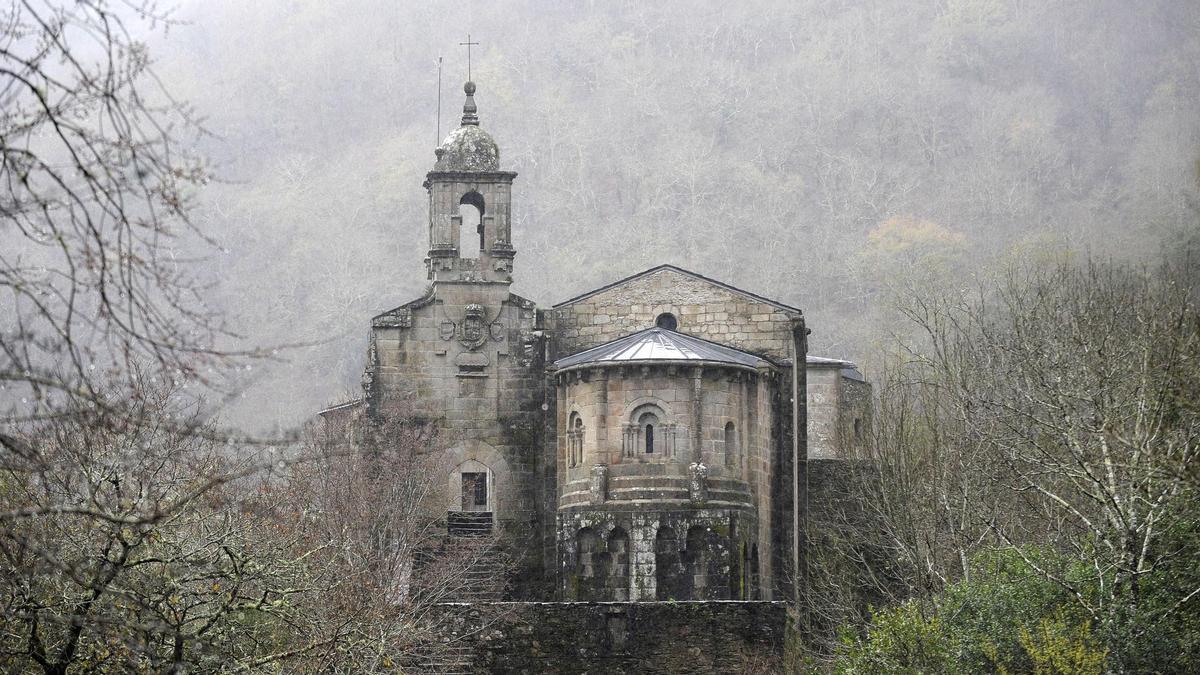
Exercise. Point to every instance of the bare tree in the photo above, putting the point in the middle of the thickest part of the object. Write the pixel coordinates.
(143, 548)
(372, 505)
(113, 561)
(1055, 409)
(97, 270)
(1095, 413)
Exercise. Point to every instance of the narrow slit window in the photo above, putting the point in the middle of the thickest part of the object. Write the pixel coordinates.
(649, 425)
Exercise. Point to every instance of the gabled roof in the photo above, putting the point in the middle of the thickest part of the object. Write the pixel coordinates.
(396, 314)
(848, 368)
(660, 344)
(680, 270)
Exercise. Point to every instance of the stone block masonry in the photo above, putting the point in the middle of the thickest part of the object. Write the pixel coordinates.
(662, 491)
(701, 307)
(619, 637)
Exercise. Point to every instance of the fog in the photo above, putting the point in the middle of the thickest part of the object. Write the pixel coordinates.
(819, 153)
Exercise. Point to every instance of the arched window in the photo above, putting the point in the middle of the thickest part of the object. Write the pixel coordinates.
(667, 320)
(649, 434)
(471, 210)
(730, 443)
(649, 424)
(575, 440)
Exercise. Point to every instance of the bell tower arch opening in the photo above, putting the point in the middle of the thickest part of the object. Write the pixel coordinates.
(471, 209)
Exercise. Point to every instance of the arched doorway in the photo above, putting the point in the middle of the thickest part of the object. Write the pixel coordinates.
(471, 492)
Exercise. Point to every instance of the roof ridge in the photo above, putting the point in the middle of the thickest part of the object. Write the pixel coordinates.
(681, 270)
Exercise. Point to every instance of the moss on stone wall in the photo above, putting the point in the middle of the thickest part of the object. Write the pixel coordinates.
(623, 637)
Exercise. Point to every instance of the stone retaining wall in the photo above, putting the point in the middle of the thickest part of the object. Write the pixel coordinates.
(623, 637)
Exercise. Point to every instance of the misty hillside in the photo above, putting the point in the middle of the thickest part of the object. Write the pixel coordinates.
(820, 153)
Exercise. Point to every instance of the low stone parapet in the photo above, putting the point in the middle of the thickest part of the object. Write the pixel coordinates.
(619, 637)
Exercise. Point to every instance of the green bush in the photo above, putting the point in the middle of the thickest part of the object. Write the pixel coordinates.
(901, 640)
(1008, 618)
(1005, 618)
(1058, 647)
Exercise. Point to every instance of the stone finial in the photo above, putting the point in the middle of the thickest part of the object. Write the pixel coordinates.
(470, 116)
(698, 483)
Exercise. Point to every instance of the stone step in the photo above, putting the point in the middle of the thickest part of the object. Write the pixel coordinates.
(483, 579)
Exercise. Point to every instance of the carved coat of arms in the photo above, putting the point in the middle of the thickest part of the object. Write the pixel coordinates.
(474, 329)
(473, 333)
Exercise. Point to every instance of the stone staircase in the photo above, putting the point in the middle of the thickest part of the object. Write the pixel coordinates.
(468, 566)
(453, 657)
(469, 523)
(484, 579)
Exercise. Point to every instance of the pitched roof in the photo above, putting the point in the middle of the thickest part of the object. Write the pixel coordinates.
(680, 270)
(848, 368)
(660, 344)
(831, 363)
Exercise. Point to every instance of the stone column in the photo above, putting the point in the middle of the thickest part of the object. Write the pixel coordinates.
(599, 484)
(561, 414)
(575, 446)
(600, 437)
(698, 415)
(743, 430)
(642, 568)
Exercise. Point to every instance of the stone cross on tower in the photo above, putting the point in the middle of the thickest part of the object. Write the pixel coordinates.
(468, 44)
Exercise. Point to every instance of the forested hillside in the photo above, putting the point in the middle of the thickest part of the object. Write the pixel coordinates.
(818, 152)
(992, 206)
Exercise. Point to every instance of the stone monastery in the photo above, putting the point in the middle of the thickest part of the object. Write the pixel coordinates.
(647, 440)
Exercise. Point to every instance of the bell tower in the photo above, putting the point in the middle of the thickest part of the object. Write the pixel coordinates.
(470, 228)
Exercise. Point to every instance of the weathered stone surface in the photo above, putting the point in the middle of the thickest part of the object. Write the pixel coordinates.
(670, 481)
(839, 411)
(702, 308)
(621, 637)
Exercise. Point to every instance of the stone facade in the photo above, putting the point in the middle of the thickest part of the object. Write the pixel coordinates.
(676, 472)
(693, 501)
(702, 307)
(839, 409)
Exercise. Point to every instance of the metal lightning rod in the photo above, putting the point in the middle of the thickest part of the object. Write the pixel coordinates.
(438, 140)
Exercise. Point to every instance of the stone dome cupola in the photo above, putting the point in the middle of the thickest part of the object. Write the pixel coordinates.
(470, 200)
(468, 148)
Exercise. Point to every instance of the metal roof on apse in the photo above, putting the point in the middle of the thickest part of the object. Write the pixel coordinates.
(660, 344)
